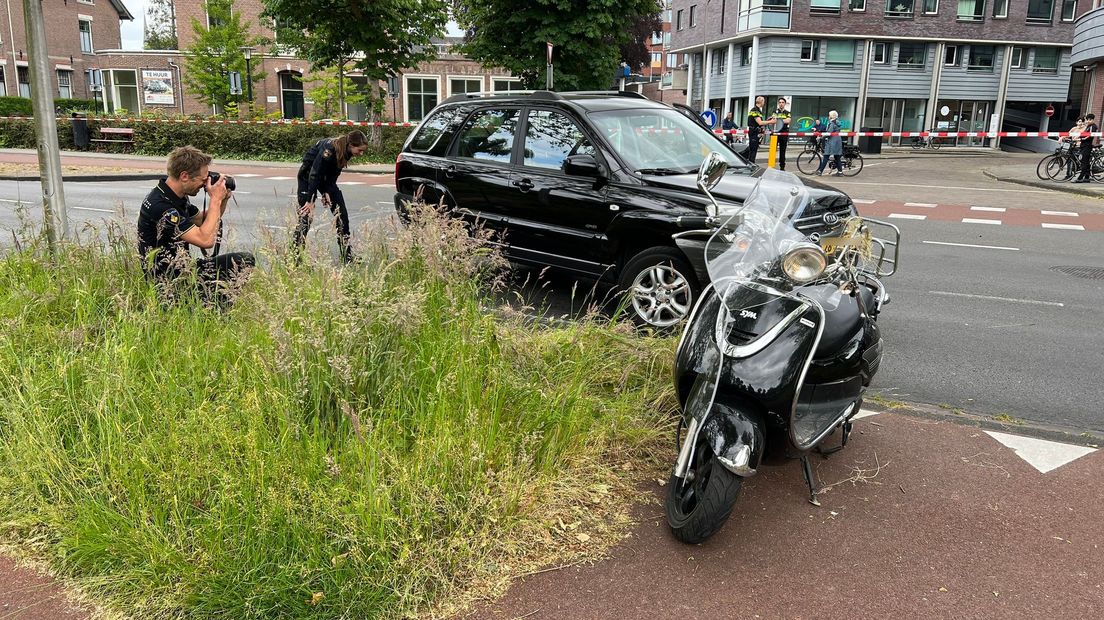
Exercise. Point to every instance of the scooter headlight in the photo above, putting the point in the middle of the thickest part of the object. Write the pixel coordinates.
(804, 263)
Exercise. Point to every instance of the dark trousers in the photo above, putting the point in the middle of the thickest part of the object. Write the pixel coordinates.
(224, 267)
(824, 162)
(753, 149)
(217, 278)
(1086, 161)
(783, 142)
(341, 219)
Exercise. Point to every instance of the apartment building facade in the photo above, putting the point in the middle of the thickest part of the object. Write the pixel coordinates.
(894, 65)
(74, 30)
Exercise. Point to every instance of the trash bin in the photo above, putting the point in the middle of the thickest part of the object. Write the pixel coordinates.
(80, 131)
(870, 144)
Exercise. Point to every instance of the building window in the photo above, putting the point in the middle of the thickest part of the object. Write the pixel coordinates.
(94, 79)
(504, 85)
(462, 85)
(828, 7)
(1040, 12)
(678, 20)
(672, 60)
(971, 10)
(899, 8)
(3, 83)
(1046, 60)
(1069, 10)
(931, 7)
(693, 15)
(1000, 9)
(291, 89)
(85, 35)
(87, 2)
(65, 84)
(950, 56)
(912, 55)
(1017, 58)
(857, 6)
(720, 59)
(217, 20)
(840, 54)
(24, 78)
(981, 58)
(810, 50)
(880, 53)
(657, 59)
(745, 55)
(421, 97)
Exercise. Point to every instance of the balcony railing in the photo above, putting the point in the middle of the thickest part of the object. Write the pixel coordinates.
(772, 14)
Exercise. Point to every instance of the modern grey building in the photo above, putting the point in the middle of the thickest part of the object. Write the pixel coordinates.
(897, 65)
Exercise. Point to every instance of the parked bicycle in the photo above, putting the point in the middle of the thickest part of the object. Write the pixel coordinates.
(1064, 164)
(926, 142)
(851, 160)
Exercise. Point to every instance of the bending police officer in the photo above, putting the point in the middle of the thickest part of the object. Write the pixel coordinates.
(321, 166)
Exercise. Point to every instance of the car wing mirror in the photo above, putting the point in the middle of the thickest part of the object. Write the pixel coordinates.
(583, 166)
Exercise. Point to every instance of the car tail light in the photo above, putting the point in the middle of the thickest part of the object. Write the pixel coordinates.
(397, 160)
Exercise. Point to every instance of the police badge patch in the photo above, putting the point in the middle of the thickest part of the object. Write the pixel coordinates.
(326, 154)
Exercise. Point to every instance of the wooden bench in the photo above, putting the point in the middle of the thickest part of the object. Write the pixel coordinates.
(116, 135)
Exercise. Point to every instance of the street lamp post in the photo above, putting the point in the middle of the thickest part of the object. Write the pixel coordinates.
(248, 76)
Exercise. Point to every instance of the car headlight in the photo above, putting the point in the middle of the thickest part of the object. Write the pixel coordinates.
(804, 263)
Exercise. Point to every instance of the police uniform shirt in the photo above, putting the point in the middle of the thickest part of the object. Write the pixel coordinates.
(319, 169)
(163, 219)
(784, 116)
(753, 125)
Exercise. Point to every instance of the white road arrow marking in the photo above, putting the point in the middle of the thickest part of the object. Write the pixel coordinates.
(1041, 454)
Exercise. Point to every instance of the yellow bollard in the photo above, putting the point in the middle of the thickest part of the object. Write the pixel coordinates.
(772, 157)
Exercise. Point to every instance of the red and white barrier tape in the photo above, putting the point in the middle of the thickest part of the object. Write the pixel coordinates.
(220, 121)
(921, 134)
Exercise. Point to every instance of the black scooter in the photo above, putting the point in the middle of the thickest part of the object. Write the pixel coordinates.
(779, 349)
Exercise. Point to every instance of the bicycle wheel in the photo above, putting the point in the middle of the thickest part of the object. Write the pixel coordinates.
(935, 143)
(917, 143)
(810, 146)
(1057, 166)
(808, 162)
(852, 165)
(1098, 167)
(1040, 170)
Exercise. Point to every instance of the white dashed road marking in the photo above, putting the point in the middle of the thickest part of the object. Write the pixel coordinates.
(393, 185)
(1041, 454)
(970, 220)
(1063, 226)
(993, 209)
(863, 201)
(1060, 213)
(279, 178)
(246, 175)
(926, 205)
(907, 216)
(989, 298)
(91, 209)
(970, 245)
(351, 183)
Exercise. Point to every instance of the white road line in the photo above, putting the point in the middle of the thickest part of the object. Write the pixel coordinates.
(970, 245)
(863, 201)
(1063, 226)
(993, 209)
(907, 216)
(14, 202)
(246, 175)
(351, 183)
(275, 227)
(91, 209)
(1060, 213)
(987, 297)
(926, 205)
(238, 191)
(384, 185)
(973, 189)
(970, 220)
(278, 178)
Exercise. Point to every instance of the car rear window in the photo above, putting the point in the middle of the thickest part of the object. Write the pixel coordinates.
(434, 127)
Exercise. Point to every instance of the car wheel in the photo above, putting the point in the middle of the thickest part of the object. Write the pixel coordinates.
(660, 287)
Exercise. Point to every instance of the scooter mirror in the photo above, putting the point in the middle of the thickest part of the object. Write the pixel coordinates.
(710, 173)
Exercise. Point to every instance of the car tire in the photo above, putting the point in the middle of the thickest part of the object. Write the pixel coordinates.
(659, 288)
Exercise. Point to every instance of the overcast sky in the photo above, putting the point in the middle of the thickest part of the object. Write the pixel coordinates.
(132, 31)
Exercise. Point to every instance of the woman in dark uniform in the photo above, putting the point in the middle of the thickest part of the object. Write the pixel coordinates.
(322, 164)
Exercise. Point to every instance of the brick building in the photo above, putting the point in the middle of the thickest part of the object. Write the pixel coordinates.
(75, 29)
(143, 81)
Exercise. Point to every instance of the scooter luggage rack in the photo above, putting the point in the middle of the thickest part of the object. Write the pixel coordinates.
(883, 245)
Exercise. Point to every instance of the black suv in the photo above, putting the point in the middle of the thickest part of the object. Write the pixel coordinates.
(592, 183)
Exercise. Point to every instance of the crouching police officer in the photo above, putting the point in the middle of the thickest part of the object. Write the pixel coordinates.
(168, 223)
(322, 164)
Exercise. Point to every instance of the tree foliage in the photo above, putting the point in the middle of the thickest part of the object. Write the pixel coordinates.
(160, 30)
(587, 35)
(327, 89)
(635, 52)
(217, 51)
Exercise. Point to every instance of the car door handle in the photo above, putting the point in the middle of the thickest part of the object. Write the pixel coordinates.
(524, 185)
(450, 171)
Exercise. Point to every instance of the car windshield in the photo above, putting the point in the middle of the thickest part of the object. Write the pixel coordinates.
(659, 140)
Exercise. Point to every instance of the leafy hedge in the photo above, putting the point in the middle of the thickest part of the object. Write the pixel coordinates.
(21, 106)
(259, 142)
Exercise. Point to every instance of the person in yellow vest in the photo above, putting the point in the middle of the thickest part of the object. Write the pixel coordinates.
(756, 126)
(782, 117)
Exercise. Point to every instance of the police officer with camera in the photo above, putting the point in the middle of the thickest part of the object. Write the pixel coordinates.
(169, 223)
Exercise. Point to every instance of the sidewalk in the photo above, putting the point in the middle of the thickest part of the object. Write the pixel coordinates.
(94, 166)
(925, 515)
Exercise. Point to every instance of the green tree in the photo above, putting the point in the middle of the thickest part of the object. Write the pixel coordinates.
(380, 38)
(217, 51)
(328, 90)
(160, 30)
(587, 35)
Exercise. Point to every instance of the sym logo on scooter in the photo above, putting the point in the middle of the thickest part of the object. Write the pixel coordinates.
(748, 314)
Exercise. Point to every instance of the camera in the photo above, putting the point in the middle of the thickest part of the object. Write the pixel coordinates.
(230, 184)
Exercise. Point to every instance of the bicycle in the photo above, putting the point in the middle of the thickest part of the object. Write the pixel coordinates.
(1065, 163)
(851, 161)
(930, 142)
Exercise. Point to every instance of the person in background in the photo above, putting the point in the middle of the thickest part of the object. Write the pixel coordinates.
(756, 123)
(321, 166)
(728, 126)
(1087, 143)
(783, 115)
(833, 146)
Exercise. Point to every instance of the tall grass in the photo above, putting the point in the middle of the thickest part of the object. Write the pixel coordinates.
(351, 443)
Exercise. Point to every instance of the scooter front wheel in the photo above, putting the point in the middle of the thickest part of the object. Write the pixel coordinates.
(698, 505)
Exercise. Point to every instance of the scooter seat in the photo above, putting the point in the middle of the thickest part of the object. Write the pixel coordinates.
(840, 324)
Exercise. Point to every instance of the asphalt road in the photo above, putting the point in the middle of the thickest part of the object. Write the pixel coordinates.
(980, 320)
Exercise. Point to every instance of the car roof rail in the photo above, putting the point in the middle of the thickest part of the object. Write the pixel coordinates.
(607, 93)
(544, 94)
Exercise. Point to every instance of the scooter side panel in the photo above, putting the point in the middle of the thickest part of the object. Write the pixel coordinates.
(735, 432)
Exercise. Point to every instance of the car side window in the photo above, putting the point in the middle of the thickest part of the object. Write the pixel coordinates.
(552, 137)
(489, 135)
